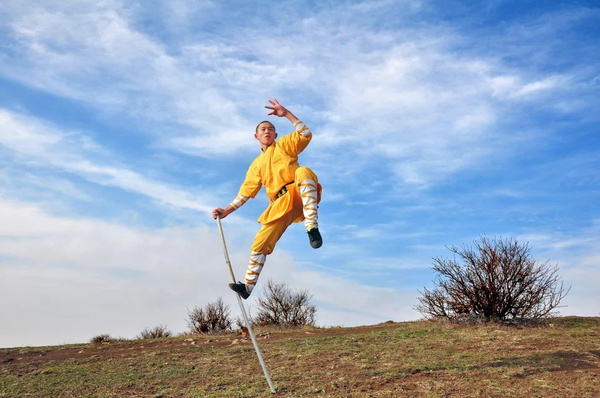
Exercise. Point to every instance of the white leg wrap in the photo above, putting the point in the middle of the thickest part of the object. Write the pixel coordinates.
(255, 266)
(308, 193)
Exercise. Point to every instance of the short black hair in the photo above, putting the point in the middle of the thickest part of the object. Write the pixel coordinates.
(264, 121)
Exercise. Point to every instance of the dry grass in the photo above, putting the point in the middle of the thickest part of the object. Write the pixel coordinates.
(413, 359)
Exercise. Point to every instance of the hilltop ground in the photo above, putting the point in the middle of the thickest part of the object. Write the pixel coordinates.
(560, 358)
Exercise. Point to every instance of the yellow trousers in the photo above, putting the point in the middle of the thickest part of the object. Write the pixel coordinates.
(269, 233)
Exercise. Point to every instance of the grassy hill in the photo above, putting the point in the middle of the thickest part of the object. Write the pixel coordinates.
(414, 359)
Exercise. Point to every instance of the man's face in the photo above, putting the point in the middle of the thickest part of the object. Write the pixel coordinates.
(265, 134)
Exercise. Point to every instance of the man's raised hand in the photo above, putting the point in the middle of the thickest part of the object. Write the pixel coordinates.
(279, 110)
(276, 108)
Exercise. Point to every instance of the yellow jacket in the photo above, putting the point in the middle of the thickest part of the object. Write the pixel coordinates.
(275, 168)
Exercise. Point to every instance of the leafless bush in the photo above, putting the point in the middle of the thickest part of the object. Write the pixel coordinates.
(212, 318)
(283, 307)
(101, 339)
(495, 281)
(155, 332)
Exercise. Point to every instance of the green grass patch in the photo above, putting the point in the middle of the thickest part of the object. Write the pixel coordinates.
(560, 358)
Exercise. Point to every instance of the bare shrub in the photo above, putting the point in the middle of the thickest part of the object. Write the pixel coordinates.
(101, 339)
(156, 332)
(495, 280)
(282, 307)
(212, 318)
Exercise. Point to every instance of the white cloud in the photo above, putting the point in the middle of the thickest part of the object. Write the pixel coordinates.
(81, 277)
(404, 95)
(415, 106)
(72, 51)
(36, 141)
(395, 106)
(577, 258)
(76, 278)
(513, 87)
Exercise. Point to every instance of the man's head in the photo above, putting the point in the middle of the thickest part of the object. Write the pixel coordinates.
(265, 134)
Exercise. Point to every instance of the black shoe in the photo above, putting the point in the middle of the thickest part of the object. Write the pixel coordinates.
(240, 289)
(314, 236)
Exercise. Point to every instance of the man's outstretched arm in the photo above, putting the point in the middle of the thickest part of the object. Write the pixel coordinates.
(233, 206)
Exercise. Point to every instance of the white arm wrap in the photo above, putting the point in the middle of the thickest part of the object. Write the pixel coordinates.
(239, 201)
(301, 128)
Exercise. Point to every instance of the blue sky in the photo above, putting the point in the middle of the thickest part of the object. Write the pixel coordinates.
(122, 124)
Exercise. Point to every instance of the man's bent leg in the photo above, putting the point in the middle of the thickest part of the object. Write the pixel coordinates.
(308, 186)
(255, 266)
(264, 244)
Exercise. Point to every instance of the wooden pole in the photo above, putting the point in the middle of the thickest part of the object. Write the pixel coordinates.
(243, 309)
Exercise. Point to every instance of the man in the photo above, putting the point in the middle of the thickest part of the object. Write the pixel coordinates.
(293, 192)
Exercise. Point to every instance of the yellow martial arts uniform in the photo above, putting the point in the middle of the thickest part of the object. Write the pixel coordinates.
(277, 169)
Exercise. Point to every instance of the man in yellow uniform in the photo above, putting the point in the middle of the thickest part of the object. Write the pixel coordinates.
(293, 192)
